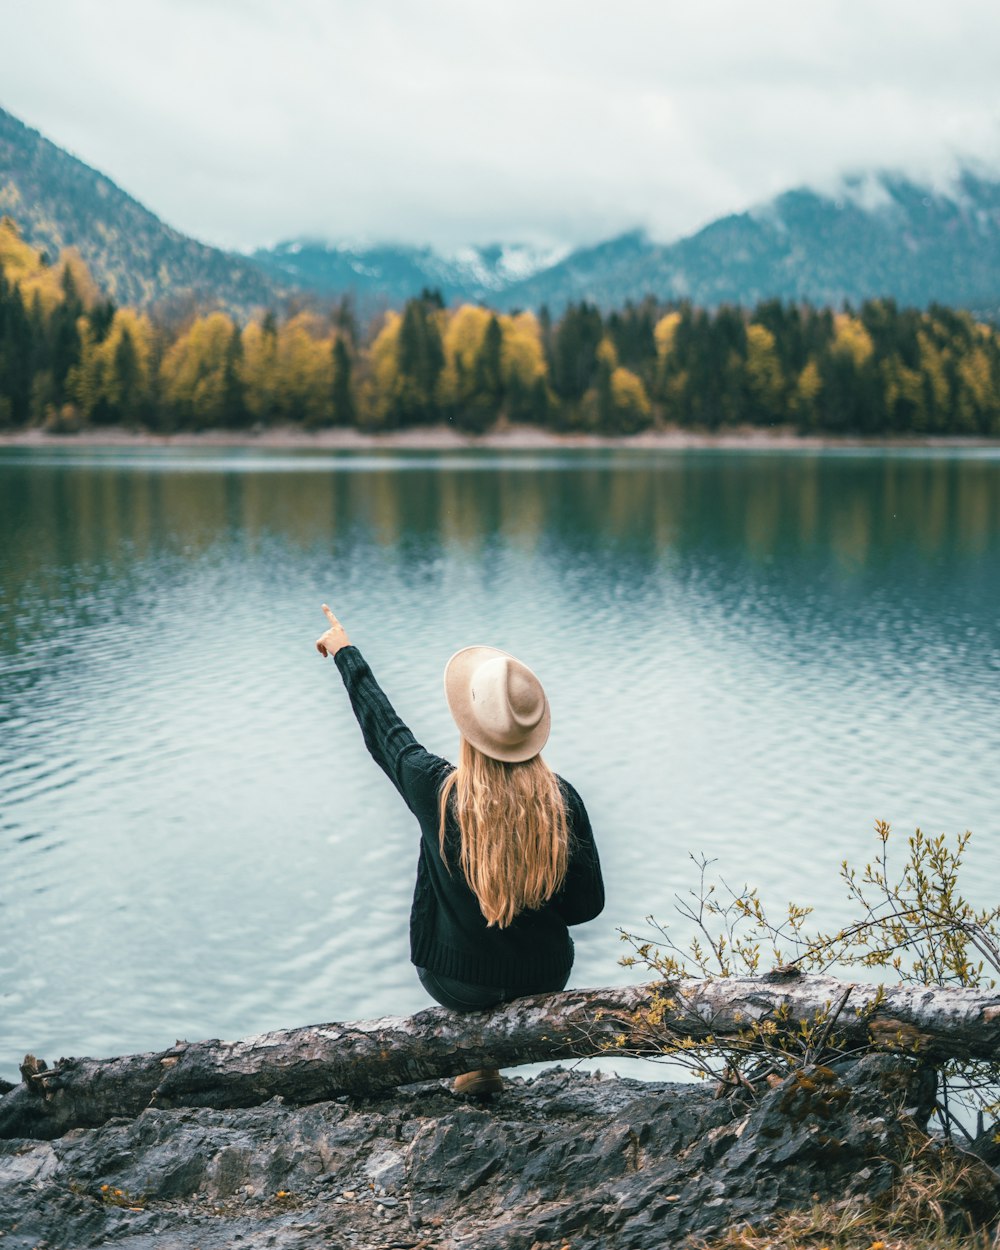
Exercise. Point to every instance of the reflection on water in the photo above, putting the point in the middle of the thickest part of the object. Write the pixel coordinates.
(858, 508)
(750, 655)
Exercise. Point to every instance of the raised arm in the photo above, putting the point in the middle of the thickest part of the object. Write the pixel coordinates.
(390, 743)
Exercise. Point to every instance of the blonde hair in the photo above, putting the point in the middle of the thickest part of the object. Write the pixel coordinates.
(514, 848)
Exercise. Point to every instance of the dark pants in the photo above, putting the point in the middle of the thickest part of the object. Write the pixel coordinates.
(463, 996)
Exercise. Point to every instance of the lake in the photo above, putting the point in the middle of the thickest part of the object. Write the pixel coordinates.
(749, 655)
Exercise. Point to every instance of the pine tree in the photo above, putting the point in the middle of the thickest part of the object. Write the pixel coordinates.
(344, 412)
(100, 318)
(125, 368)
(488, 372)
(233, 406)
(15, 357)
(345, 320)
(64, 334)
(548, 342)
(419, 361)
(575, 351)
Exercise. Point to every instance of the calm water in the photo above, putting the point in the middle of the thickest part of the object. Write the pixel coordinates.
(749, 655)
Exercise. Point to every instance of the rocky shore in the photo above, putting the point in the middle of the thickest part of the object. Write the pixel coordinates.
(565, 1158)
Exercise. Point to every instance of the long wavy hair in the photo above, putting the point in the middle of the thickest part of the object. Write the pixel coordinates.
(514, 837)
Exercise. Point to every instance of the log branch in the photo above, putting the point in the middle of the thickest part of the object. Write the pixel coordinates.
(322, 1061)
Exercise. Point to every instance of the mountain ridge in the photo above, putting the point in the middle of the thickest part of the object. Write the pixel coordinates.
(58, 201)
(883, 235)
(874, 235)
(394, 272)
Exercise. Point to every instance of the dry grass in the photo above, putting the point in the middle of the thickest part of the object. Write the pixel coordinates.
(943, 1200)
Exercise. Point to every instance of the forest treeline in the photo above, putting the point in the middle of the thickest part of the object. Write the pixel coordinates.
(71, 359)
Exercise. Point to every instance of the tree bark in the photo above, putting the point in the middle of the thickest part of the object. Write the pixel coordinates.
(322, 1061)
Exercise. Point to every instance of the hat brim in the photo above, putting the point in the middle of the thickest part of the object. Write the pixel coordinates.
(457, 679)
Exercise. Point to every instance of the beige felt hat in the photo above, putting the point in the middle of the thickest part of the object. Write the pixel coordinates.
(498, 703)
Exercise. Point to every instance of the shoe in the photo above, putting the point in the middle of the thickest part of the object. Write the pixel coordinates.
(479, 1084)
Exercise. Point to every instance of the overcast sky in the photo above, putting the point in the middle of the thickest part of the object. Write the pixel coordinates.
(244, 122)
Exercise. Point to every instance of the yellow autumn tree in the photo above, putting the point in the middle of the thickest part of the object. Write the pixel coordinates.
(468, 366)
(765, 382)
(527, 396)
(617, 403)
(807, 388)
(462, 341)
(630, 407)
(933, 365)
(903, 391)
(976, 404)
(257, 370)
(522, 353)
(303, 372)
(670, 382)
(23, 265)
(111, 383)
(850, 338)
(378, 389)
(196, 373)
(20, 260)
(665, 332)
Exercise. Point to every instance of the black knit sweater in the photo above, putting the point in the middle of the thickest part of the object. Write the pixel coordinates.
(448, 933)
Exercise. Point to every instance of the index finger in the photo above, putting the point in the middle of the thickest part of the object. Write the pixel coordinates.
(329, 615)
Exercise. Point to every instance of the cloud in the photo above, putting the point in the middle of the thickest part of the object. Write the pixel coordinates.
(245, 121)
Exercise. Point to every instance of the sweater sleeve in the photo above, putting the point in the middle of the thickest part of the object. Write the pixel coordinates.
(392, 746)
(581, 896)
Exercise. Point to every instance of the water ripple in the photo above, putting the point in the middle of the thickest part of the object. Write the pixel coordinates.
(747, 658)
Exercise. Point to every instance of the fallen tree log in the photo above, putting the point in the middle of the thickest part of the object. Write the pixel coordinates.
(315, 1063)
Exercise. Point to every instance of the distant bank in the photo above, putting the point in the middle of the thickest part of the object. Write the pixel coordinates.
(445, 438)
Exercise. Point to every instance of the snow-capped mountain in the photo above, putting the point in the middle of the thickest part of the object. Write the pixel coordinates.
(874, 234)
(391, 273)
(869, 235)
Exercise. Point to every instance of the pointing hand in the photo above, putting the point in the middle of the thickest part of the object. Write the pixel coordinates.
(334, 638)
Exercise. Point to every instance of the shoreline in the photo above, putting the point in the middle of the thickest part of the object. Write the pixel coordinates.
(519, 438)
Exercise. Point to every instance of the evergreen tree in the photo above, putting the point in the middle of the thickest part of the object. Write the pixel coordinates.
(419, 361)
(16, 353)
(100, 318)
(710, 353)
(37, 333)
(344, 412)
(64, 334)
(233, 405)
(488, 378)
(480, 410)
(126, 377)
(633, 333)
(541, 406)
(575, 351)
(548, 341)
(345, 320)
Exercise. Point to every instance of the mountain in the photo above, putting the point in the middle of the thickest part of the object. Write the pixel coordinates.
(57, 201)
(874, 235)
(877, 235)
(391, 273)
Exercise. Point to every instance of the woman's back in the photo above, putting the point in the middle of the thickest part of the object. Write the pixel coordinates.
(507, 859)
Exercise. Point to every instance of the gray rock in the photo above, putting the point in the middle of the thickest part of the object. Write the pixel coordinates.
(567, 1156)
(386, 1168)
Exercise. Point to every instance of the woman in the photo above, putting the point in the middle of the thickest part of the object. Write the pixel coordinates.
(507, 857)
